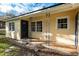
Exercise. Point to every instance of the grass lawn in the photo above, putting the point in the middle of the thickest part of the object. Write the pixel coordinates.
(4, 44)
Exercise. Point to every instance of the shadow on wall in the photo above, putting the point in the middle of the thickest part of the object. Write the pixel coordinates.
(14, 35)
(67, 39)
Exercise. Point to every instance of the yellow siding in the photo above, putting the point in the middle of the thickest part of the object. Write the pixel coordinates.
(13, 34)
(39, 34)
(65, 36)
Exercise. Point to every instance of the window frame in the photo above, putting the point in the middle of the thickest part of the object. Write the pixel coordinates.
(11, 26)
(36, 30)
(62, 18)
(34, 26)
(40, 26)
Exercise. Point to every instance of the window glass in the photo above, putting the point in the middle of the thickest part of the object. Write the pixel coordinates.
(62, 23)
(39, 26)
(11, 26)
(32, 26)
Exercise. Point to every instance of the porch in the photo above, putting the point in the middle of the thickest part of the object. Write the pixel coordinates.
(42, 47)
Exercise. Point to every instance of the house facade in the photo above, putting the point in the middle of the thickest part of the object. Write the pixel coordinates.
(57, 24)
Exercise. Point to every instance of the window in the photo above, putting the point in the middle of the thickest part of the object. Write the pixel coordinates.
(39, 26)
(62, 23)
(11, 26)
(33, 26)
(2, 24)
(36, 26)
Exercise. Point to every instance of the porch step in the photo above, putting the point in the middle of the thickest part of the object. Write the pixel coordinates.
(61, 50)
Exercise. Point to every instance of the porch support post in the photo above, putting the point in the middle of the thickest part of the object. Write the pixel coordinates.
(76, 28)
(30, 34)
(76, 31)
(48, 27)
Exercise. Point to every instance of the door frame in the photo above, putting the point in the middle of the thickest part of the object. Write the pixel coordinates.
(21, 29)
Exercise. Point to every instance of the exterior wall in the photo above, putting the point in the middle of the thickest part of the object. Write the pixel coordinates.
(17, 33)
(26, 19)
(63, 36)
(13, 34)
(59, 36)
(39, 34)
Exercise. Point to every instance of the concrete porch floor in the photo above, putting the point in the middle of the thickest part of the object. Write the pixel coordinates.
(62, 50)
(43, 47)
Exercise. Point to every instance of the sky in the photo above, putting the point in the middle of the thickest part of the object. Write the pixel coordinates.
(21, 8)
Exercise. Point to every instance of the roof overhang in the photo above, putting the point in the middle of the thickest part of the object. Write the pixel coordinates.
(52, 10)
